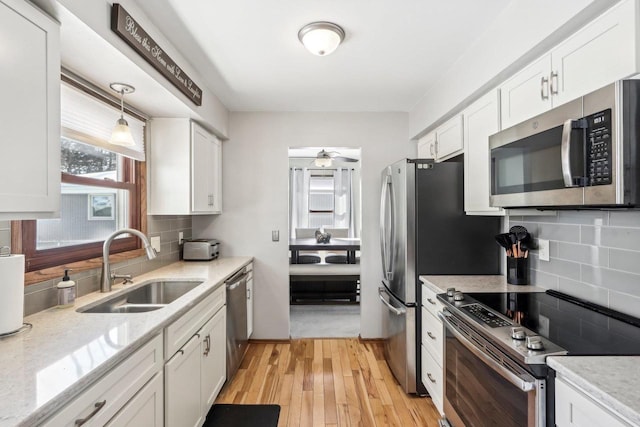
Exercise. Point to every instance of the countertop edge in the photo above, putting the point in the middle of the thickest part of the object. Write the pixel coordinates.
(592, 390)
(48, 409)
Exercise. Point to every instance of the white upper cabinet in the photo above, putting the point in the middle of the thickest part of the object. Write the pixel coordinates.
(30, 113)
(481, 119)
(598, 54)
(444, 142)
(185, 170)
(527, 93)
(427, 146)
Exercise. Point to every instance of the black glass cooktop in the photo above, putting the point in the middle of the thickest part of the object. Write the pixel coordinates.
(579, 327)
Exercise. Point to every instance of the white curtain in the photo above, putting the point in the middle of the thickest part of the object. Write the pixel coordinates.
(343, 208)
(299, 199)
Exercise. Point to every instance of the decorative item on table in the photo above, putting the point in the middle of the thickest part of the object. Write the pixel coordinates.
(322, 236)
(516, 243)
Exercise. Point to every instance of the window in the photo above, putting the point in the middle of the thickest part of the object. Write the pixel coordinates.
(101, 191)
(321, 201)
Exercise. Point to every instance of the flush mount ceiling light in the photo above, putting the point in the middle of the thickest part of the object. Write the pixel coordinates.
(121, 134)
(321, 38)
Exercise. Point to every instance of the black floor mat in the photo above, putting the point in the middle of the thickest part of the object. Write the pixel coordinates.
(243, 416)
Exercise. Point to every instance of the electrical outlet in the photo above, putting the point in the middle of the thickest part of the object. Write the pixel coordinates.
(180, 237)
(543, 249)
(155, 243)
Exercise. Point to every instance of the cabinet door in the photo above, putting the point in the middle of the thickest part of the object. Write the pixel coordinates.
(250, 305)
(182, 386)
(213, 350)
(202, 152)
(600, 53)
(146, 409)
(527, 93)
(449, 138)
(30, 113)
(574, 409)
(480, 120)
(427, 146)
(432, 377)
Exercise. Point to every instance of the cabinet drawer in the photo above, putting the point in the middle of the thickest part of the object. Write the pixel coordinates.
(108, 395)
(432, 376)
(576, 409)
(432, 335)
(145, 409)
(430, 301)
(180, 331)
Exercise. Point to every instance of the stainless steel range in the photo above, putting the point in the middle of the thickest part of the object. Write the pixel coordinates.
(496, 345)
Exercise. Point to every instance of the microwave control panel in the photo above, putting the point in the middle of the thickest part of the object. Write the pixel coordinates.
(599, 148)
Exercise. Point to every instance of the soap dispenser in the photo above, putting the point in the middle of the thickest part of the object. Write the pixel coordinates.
(66, 291)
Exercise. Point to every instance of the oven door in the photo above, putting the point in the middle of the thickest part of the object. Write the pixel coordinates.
(540, 162)
(484, 387)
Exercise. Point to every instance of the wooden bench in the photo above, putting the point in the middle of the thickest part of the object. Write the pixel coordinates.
(324, 283)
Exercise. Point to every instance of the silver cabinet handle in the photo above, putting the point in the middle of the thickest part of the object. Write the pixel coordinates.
(554, 83)
(431, 377)
(431, 301)
(544, 84)
(97, 407)
(431, 146)
(207, 345)
(248, 293)
(431, 335)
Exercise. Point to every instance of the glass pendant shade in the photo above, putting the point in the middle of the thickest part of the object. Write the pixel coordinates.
(321, 38)
(121, 134)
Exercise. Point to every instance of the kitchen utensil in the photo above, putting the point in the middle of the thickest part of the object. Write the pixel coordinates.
(504, 240)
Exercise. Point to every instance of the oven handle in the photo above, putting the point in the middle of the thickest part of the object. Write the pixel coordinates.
(514, 378)
(565, 151)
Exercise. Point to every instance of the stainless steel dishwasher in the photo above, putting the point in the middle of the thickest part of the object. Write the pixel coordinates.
(237, 339)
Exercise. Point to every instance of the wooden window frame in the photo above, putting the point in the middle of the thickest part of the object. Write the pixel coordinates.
(45, 264)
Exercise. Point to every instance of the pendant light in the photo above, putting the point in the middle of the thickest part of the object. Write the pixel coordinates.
(321, 38)
(121, 134)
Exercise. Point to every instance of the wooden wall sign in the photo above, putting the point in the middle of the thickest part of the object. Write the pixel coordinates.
(130, 31)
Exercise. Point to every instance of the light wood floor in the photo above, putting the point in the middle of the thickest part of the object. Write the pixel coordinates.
(327, 382)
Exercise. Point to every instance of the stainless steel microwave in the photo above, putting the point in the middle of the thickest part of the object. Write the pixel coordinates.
(583, 154)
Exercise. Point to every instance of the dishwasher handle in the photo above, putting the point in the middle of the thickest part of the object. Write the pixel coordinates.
(238, 275)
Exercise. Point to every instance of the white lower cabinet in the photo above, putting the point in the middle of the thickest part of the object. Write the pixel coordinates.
(182, 386)
(146, 409)
(113, 393)
(196, 372)
(576, 409)
(432, 349)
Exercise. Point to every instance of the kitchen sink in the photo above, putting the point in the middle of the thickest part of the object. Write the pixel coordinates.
(148, 297)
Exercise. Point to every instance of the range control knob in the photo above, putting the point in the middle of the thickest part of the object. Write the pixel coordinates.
(458, 296)
(535, 343)
(451, 292)
(518, 333)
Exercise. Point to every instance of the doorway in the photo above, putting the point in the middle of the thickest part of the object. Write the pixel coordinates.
(324, 242)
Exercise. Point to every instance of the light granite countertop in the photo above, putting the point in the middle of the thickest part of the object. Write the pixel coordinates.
(439, 284)
(41, 370)
(610, 380)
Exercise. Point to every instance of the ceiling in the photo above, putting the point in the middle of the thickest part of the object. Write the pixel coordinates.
(248, 53)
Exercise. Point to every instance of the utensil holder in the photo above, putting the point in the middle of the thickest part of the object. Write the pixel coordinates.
(517, 271)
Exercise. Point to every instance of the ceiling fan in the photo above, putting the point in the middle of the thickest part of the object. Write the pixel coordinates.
(325, 158)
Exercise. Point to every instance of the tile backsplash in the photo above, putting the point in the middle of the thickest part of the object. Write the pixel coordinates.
(594, 255)
(41, 296)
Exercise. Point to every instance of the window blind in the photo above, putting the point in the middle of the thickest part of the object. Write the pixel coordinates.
(86, 119)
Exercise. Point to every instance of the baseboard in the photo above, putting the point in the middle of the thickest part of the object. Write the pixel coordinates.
(270, 341)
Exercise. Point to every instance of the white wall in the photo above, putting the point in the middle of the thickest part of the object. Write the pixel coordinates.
(255, 200)
(522, 32)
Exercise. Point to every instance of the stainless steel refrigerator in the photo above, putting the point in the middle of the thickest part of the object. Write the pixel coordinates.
(424, 230)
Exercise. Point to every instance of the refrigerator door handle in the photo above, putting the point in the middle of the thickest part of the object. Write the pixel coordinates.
(396, 311)
(387, 199)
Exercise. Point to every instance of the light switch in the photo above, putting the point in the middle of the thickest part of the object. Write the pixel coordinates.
(275, 235)
(180, 237)
(155, 243)
(543, 249)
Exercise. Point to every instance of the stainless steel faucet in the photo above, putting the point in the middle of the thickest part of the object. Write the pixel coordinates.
(107, 278)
